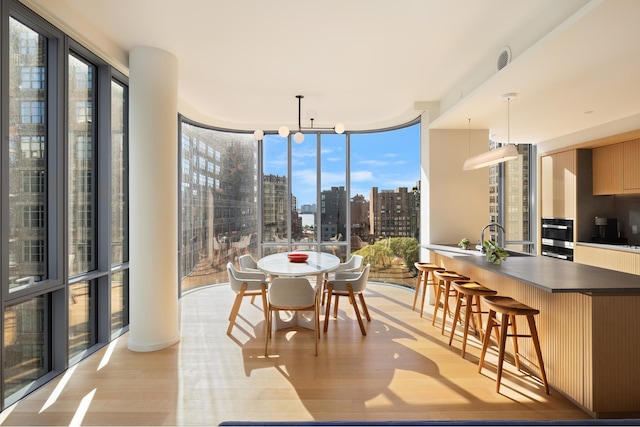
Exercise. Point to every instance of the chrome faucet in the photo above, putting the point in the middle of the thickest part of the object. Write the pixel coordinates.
(481, 247)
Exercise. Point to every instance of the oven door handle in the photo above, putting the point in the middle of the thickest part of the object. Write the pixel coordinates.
(551, 254)
(557, 227)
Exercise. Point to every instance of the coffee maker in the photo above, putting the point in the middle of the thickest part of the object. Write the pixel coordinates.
(608, 231)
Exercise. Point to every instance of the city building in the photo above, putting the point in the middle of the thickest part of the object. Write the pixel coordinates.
(393, 213)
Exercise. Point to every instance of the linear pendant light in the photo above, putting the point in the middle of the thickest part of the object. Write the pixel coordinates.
(499, 155)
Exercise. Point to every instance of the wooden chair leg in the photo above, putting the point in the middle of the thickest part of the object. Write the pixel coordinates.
(335, 306)
(316, 321)
(267, 332)
(467, 316)
(478, 322)
(514, 339)
(536, 345)
(503, 341)
(487, 338)
(425, 283)
(264, 300)
(352, 298)
(236, 308)
(364, 307)
(435, 308)
(456, 315)
(328, 307)
(418, 284)
(445, 309)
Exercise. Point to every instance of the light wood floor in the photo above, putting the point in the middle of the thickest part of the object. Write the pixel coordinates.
(402, 370)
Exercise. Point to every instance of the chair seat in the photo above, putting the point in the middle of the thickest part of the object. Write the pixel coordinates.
(472, 288)
(507, 305)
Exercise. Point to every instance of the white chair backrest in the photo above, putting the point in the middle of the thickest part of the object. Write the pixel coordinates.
(291, 292)
(237, 278)
(247, 263)
(354, 264)
(358, 280)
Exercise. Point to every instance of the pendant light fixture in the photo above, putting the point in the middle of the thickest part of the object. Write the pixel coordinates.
(499, 155)
(298, 137)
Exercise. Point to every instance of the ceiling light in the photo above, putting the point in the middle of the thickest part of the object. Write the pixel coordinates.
(298, 137)
(499, 155)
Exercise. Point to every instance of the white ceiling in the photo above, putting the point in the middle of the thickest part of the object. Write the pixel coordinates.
(575, 64)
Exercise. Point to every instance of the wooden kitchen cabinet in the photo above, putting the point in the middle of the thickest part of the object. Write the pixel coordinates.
(558, 185)
(608, 169)
(631, 166)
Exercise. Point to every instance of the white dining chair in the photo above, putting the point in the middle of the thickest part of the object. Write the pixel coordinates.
(244, 284)
(349, 285)
(292, 294)
(353, 265)
(248, 263)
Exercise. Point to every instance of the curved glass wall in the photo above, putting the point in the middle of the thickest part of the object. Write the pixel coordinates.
(218, 202)
(341, 194)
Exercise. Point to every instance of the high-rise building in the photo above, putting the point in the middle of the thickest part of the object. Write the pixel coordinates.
(393, 213)
(334, 214)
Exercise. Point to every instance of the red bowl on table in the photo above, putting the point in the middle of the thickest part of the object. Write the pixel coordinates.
(294, 257)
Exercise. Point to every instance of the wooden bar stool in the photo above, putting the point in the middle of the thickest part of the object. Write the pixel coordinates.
(510, 308)
(445, 277)
(424, 268)
(469, 294)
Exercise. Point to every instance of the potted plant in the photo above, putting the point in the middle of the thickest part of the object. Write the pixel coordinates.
(495, 253)
(465, 243)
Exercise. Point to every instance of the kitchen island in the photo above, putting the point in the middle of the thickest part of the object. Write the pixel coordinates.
(589, 323)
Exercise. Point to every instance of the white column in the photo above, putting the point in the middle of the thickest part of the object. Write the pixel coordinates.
(153, 186)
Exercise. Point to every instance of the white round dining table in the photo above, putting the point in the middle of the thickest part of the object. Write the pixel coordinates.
(317, 263)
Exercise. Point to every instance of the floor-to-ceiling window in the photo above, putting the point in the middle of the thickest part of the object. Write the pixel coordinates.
(82, 203)
(332, 193)
(63, 161)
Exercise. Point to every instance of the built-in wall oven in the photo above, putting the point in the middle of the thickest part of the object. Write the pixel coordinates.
(557, 238)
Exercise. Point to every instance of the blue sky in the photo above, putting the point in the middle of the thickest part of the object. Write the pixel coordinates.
(387, 160)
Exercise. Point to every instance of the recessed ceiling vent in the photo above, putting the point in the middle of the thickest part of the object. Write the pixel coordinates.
(504, 58)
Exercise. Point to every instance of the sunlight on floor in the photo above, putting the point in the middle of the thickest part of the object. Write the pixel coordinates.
(59, 388)
(108, 353)
(85, 403)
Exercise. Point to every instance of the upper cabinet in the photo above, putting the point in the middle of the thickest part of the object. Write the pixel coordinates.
(631, 166)
(616, 168)
(558, 185)
(607, 169)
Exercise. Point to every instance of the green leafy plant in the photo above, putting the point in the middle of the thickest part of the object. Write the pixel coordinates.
(464, 243)
(495, 253)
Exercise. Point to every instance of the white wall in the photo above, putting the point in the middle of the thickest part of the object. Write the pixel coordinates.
(458, 201)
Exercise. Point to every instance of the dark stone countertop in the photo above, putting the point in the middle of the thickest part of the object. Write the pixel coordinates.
(550, 274)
